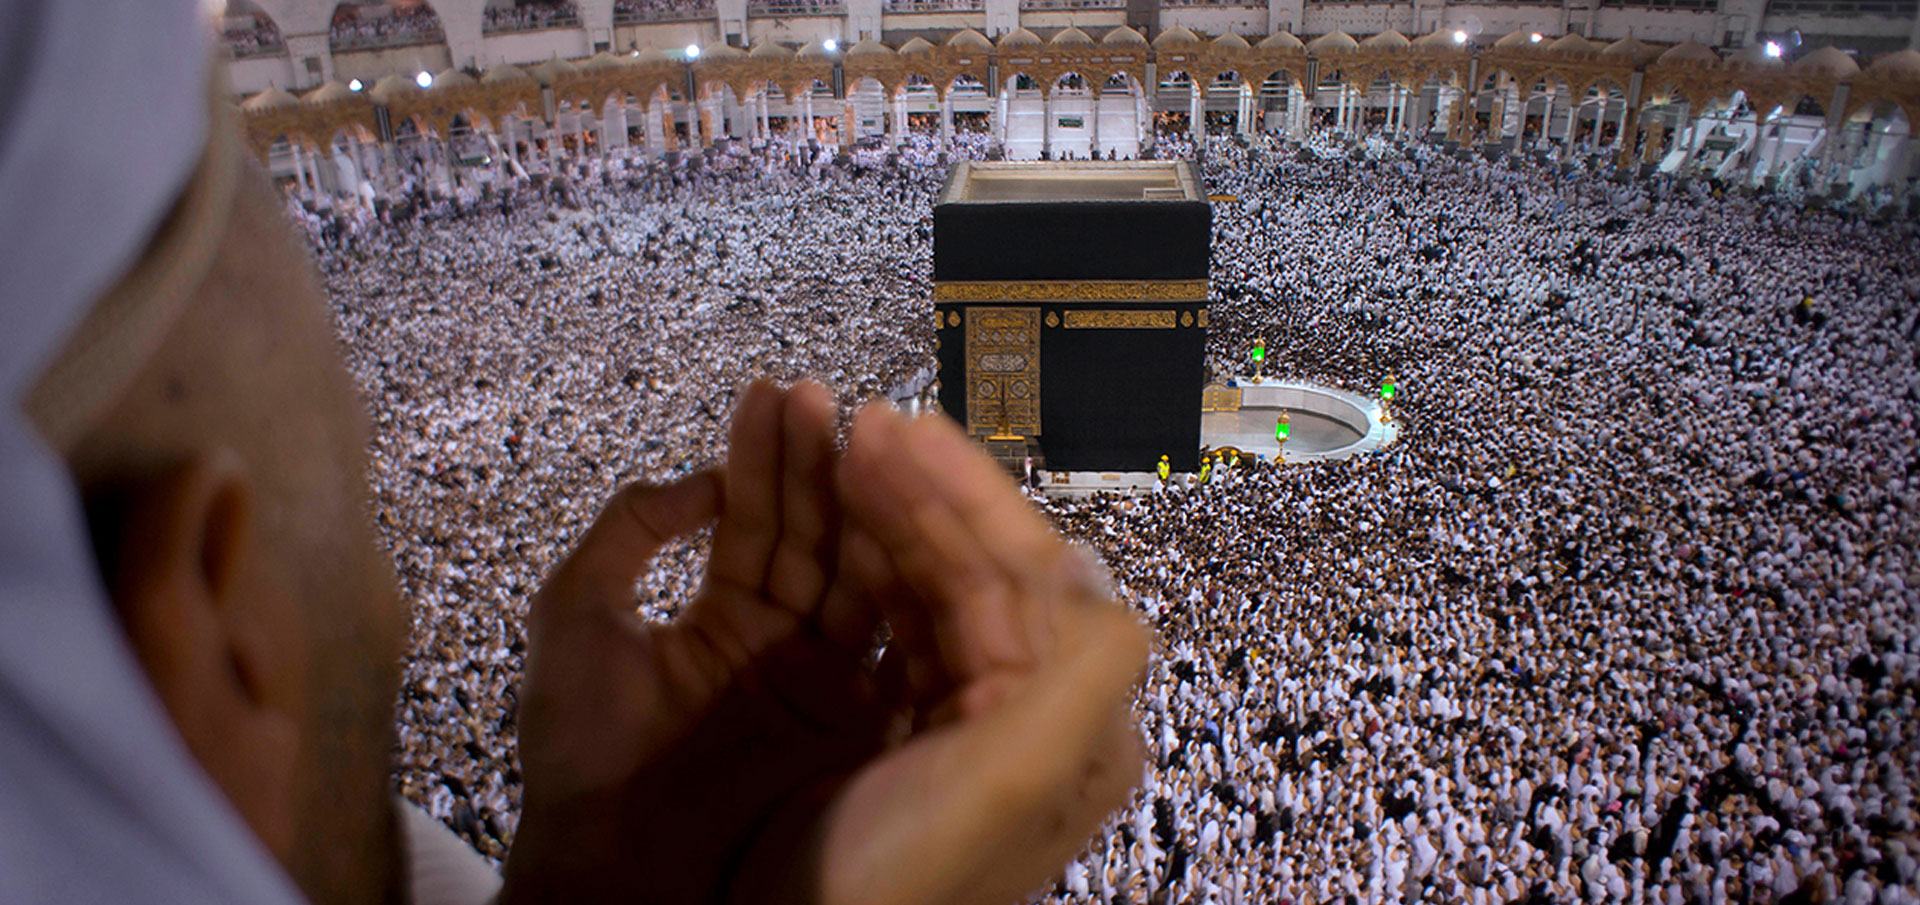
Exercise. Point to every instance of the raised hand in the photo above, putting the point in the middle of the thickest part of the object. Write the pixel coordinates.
(751, 751)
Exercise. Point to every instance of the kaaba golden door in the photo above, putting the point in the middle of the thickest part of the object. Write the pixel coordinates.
(1003, 372)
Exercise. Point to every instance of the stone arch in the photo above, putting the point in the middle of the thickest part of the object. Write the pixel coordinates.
(270, 144)
(1072, 80)
(1128, 82)
(1223, 75)
(466, 118)
(1494, 79)
(800, 89)
(260, 37)
(914, 82)
(1805, 104)
(1858, 101)
(502, 108)
(414, 126)
(1175, 80)
(963, 80)
(1019, 81)
(1554, 77)
(1285, 78)
(621, 97)
(297, 17)
(575, 97)
(351, 131)
(764, 85)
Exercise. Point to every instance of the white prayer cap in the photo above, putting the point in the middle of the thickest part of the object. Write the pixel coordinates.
(103, 119)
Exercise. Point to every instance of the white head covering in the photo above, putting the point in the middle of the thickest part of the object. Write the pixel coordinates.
(103, 116)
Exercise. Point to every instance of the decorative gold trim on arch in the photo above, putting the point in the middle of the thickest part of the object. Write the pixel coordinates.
(1070, 290)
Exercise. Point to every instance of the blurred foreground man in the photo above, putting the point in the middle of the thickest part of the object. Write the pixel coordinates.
(199, 641)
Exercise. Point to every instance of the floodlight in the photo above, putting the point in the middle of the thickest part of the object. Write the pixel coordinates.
(1459, 37)
(1535, 37)
(1773, 49)
(424, 79)
(355, 85)
(832, 44)
(693, 51)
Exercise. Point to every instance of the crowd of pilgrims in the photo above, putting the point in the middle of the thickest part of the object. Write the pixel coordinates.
(529, 16)
(921, 6)
(400, 25)
(250, 36)
(634, 10)
(1630, 612)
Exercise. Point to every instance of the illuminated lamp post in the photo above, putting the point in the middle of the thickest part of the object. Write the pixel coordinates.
(1282, 431)
(1258, 356)
(1389, 388)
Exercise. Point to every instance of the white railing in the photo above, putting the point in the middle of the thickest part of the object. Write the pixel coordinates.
(357, 40)
(1072, 4)
(663, 13)
(934, 6)
(769, 10)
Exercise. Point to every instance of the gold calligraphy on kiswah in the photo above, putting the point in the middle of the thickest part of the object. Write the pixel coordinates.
(1156, 320)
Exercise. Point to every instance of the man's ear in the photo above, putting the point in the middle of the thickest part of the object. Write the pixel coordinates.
(215, 631)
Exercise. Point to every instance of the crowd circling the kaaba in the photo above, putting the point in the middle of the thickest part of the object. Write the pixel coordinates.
(1628, 613)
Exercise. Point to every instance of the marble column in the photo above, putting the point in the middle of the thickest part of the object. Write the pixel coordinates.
(1778, 167)
(299, 172)
(1296, 111)
(1197, 114)
(998, 127)
(1143, 120)
(1046, 124)
(1754, 146)
(1093, 126)
(900, 117)
(1573, 124)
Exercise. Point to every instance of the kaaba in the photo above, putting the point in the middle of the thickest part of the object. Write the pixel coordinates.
(1070, 310)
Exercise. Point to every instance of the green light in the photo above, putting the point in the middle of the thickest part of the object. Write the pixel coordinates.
(1387, 390)
(1282, 430)
(1259, 353)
